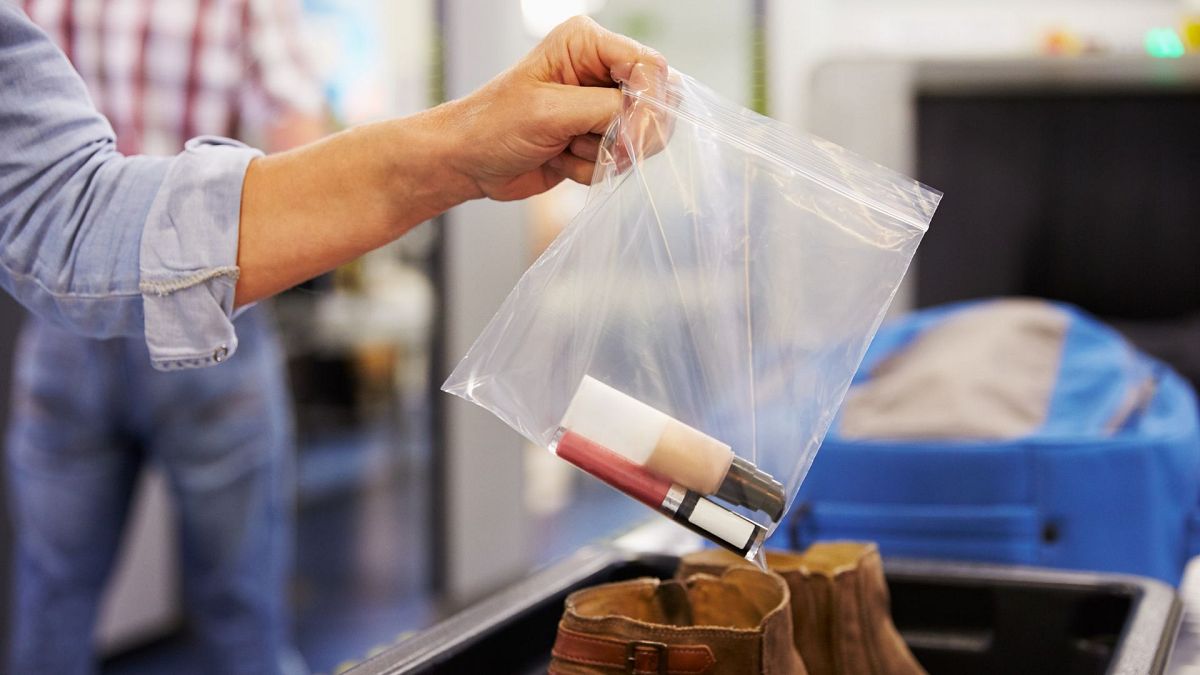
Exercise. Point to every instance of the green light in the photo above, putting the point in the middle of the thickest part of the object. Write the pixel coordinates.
(1164, 43)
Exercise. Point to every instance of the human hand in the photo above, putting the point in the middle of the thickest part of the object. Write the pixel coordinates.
(310, 209)
(540, 121)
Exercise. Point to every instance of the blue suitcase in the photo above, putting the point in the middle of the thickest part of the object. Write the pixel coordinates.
(1068, 495)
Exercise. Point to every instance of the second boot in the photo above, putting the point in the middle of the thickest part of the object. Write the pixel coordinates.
(841, 614)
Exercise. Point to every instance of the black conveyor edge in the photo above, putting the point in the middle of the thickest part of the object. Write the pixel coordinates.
(956, 617)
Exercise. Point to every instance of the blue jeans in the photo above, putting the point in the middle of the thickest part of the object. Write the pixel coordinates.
(87, 414)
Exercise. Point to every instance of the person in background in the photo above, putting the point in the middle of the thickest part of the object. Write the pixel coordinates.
(88, 414)
(173, 249)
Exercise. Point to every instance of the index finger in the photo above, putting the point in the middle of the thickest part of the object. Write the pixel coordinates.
(580, 51)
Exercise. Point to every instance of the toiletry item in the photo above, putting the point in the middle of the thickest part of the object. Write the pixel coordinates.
(668, 447)
(687, 507)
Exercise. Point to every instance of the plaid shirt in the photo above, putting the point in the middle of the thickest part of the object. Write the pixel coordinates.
(164, 71)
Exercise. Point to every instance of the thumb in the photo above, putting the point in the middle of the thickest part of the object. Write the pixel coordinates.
(584, 110)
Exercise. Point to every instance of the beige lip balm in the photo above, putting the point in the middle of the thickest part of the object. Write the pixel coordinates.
(668, 447)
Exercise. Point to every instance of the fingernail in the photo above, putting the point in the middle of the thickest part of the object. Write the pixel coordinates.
(555, 162)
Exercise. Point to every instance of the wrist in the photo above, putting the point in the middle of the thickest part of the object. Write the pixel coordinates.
(434, 148)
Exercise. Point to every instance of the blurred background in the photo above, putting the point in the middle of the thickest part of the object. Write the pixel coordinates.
(1064, 134)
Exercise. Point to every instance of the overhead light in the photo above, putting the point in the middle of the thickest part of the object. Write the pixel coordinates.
(541, 16)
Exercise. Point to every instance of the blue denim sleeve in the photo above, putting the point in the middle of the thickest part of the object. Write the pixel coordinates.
(107, 245)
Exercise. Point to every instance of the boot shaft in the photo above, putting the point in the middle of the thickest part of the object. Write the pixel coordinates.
(734, 624)
(841, 611)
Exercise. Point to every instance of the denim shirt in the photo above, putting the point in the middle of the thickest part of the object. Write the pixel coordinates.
(107, 245)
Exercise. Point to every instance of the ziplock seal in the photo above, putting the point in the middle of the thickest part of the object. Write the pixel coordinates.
(918, 197)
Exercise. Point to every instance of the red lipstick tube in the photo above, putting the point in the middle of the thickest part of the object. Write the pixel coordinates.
(686, 507)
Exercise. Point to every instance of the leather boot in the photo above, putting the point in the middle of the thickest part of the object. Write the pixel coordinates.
(841, 612)
(735, 624)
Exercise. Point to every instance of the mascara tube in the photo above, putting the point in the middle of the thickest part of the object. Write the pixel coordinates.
(686, 507)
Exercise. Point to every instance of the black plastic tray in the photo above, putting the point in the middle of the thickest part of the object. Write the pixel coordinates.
(956, 618)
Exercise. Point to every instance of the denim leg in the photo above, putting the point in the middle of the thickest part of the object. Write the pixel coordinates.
(70, 478)
(223, 435)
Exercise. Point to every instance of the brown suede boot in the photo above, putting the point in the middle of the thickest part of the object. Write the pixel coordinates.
(841, 613)
(735, 624)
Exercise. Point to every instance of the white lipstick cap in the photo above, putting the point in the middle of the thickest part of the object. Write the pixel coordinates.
(615, 420)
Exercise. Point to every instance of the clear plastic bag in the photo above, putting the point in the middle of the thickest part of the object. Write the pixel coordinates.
(690, 335)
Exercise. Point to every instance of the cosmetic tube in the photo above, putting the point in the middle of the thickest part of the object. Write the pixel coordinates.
(664, 445)
(686, 507)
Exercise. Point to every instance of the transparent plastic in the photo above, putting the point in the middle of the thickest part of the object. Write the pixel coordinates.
(704, 313)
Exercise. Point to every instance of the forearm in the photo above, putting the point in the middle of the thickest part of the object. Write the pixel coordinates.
(311, 209)
(306, 211)
(115, 245)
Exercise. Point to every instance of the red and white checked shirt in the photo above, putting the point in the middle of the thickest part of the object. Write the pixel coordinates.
(164, 71)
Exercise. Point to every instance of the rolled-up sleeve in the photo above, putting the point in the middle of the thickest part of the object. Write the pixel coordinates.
(188, 269)
(107, 245)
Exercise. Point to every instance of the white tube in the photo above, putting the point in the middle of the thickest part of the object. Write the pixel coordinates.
(647, 436)
(619, 422)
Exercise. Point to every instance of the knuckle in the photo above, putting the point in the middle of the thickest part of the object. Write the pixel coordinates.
(570, 27)
(581, 22)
